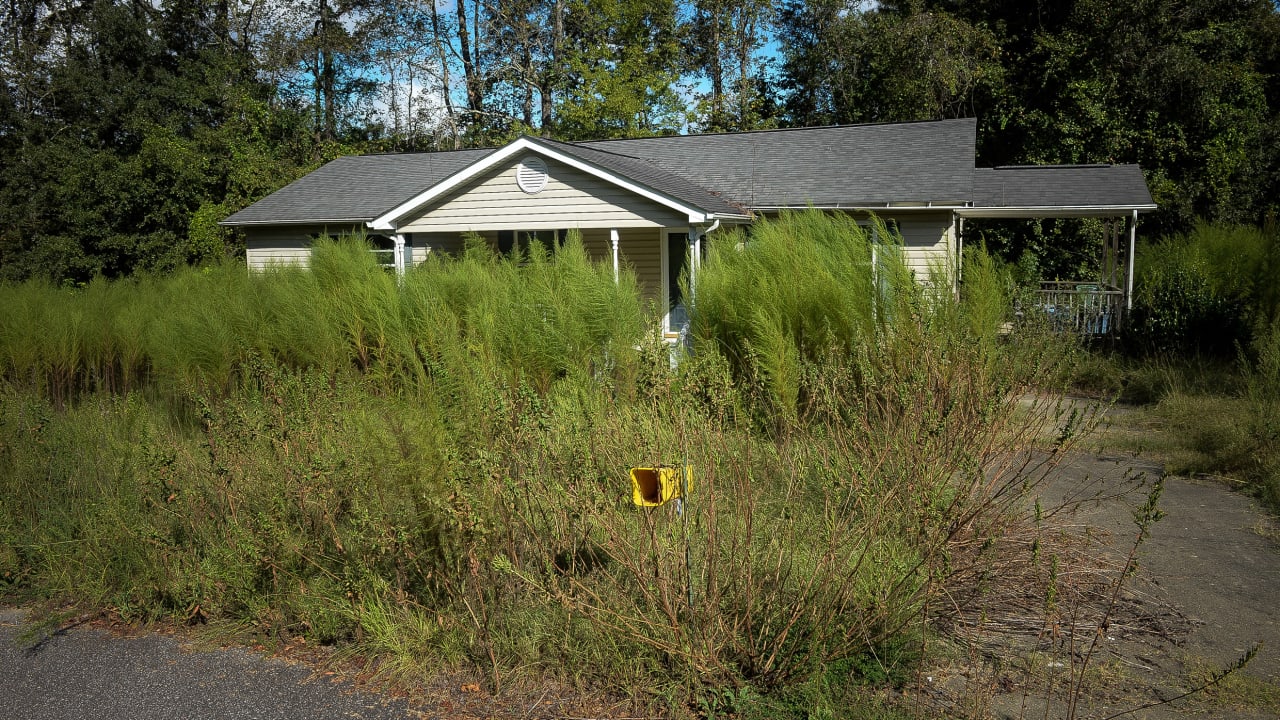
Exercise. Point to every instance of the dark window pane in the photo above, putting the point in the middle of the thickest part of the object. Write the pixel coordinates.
(677, 260)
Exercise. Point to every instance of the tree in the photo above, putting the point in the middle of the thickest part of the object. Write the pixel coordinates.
(883, 64)
(145, 118)
(620, 65)
(721, 46)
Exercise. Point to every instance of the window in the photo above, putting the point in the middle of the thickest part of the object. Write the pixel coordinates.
(512, 241)
(384, 251)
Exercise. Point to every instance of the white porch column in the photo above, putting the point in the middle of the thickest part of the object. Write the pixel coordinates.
(1133, 244)
(695, 257)
(613, 240)
(398, 254)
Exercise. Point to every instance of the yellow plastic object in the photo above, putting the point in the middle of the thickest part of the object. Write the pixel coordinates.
(651, 487)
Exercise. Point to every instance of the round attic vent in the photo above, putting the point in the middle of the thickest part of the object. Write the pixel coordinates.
(531, 175)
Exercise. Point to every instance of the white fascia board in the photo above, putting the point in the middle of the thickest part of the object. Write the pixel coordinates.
(390, 220)
(1049, 211)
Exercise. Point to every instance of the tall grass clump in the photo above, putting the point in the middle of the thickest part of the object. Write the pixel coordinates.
(1262, 383)
(1207, 291)
(1203, 340)
(799, 290)
(903, 460)
(539, 316)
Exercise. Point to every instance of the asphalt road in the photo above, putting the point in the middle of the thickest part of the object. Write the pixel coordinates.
(87, 674)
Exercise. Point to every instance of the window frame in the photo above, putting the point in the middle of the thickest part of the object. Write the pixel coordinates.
(698, 248)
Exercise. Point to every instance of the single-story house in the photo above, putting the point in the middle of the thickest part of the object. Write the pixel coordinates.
(650, 203)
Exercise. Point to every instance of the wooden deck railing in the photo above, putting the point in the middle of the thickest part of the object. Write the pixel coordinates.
(1082, 307)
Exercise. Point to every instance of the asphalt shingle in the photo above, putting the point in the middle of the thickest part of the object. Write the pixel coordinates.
(851, 166)
(651, 176)
(356, 187)
(1036, 186)
(842, 166)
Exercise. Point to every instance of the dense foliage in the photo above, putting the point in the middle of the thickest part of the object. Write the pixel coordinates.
(128, 128)
(1206, 292)
(1204, 337)
(435, 472)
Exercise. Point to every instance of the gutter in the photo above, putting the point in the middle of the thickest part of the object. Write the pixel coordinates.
(267, 223)
(1033, 211)
(927, 206)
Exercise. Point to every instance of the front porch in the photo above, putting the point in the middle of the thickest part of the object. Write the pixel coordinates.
(1082, 308)
(1097, 306)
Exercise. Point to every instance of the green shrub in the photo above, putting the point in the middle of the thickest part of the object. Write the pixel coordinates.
(1263, 396)
(1205, 292)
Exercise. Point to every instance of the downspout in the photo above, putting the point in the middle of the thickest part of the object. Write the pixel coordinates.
(695, 257)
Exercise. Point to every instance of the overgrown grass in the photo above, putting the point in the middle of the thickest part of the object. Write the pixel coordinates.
(433, 472)
(1203, 356)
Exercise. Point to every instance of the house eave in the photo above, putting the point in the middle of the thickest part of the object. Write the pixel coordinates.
(1054, 211)
(867, 207)
(726, 218)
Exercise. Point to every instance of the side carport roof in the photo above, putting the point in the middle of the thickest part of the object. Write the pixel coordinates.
(1031, 191)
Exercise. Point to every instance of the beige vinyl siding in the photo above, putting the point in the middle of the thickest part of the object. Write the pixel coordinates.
(283, 246)
(275, 248)
(928, 244)
(571, 199)
(641, 250)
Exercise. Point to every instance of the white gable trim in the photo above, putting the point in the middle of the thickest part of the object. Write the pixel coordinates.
(391, 219)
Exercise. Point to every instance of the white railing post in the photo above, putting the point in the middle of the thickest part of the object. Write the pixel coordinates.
(397, 254)
(613, 240)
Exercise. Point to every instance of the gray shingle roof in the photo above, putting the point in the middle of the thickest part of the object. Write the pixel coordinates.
(1064, 186)
(852, 166)
(846, 166)
(650, 175)
(356, 187)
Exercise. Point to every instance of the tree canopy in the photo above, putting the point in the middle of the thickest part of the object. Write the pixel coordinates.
(129, 128)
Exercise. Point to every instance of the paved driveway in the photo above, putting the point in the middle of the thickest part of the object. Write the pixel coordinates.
(85, 673)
